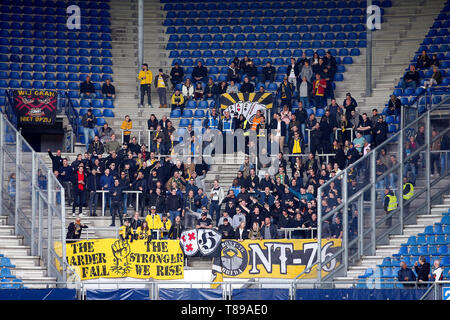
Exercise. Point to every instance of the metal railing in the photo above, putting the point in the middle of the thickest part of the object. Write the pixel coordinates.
(73, 117)
(362, 199)
(33, 199)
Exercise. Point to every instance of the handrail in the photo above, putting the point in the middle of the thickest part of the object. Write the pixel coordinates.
(72, 116)
(368, 157)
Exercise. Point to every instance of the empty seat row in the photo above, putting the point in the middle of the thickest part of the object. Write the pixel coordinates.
(93, 103)
(52, 52)
(230, 37)
(266, 45)
(257, 61)
(58, 60)
(94, 36)
(233, 5)
(29, 18)
(250, 53)
(51, 76)
(50, 11)
(91, 4)
(266, 13)
(16, 41)
(263, 21)
(37, 84)
(436, 40)
(296, 27)
(42, 26)
(60, 68)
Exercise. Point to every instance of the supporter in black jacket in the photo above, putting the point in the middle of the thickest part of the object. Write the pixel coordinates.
(93, 184)
(380, 131)
(268, 73)
(200, 73)
(247, 87)
(56, 159)
(87, 89)
(422, 269)
(226, 230)
(176, 74)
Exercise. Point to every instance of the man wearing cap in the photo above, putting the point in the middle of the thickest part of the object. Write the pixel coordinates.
(154, 222)
(145, 76)
(161, 85)
(204, 222)
(88, 122)
(226, 230)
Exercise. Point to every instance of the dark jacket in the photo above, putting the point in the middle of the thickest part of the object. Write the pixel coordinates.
(174, 203)
(237, 235)
(199, 72)
(56, 161)
(165, 78)
(87, 87)
(422, 271)
(177, 74)
(296, 70)
(176, 231)
(226, 231)
(274, 125)
(247, 87)
(108, 89)
(88, 124)
(116, 193)
(273, 231)
(93, 182)
(406, 273)
(73, 233)
(96, 147)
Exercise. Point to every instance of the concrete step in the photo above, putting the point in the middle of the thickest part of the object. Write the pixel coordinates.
(8, 250)
(10, 240)
(29, 271)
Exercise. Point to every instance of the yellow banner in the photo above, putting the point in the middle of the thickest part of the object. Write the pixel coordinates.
(282, 258)
(113, 258)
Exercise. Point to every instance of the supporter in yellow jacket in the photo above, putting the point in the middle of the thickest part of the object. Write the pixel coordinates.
(177, 100)
(153, 220)
(126, 231)
(145, 75)
(143, 231)
(166, 224)
(127, 125)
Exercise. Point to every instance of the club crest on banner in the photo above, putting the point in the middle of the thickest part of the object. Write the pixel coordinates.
(189, 242)
(208, 241)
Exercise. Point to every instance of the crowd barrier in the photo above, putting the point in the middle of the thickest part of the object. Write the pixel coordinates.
(118, 294)
(359, 294)
(260, 294)
(191, 294)
(38, 294)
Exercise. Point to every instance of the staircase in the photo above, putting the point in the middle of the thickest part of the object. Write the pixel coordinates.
(395, 241)
(124, 27)
(405, 25)
(30, 269)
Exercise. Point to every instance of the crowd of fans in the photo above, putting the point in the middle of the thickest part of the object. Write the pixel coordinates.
(257, 202)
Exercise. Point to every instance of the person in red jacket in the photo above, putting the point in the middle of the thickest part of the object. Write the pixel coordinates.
(319, 86)
(79, 189)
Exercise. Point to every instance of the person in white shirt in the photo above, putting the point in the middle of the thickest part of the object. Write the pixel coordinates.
(437, 272)
(216, 195)
(187, 90)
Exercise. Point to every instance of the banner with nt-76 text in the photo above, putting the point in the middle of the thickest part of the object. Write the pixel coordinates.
(113, 258)
(277, 258)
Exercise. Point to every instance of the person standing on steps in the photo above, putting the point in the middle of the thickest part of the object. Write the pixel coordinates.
(161, 85)
(146, 77)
